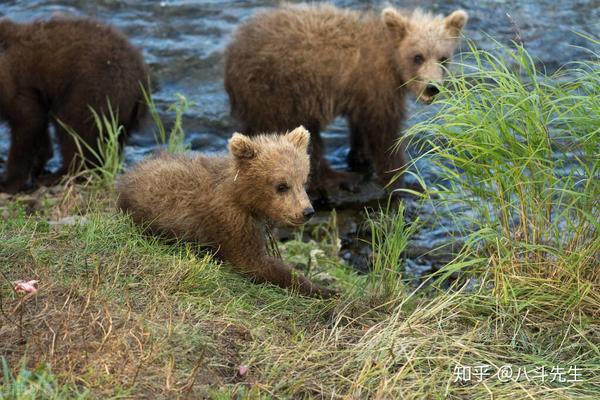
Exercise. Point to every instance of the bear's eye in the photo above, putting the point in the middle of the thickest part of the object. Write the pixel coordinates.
(443, 60)
(419, 59)
(282, 188)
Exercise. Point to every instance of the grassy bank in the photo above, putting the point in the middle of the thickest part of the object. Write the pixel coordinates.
(121, 315)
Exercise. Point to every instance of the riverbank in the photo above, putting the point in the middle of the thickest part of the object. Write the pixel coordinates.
(514, 314)
(119, 315)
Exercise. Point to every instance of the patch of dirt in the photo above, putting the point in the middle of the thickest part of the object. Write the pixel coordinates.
(102, 346)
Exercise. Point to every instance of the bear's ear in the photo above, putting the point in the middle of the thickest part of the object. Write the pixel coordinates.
(455, 22)
(242, 147)
(395, 22)
(299, 137)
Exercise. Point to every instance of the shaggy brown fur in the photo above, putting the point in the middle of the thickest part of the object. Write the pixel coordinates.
(54, 71)
(310, 63)
(224, 202)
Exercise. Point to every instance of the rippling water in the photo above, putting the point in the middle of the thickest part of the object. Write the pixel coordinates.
(183, 42)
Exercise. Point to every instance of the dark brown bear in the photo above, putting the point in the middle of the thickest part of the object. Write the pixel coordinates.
(307, 64)
(58, 70)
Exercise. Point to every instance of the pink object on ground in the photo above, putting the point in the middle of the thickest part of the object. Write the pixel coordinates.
(25, 286)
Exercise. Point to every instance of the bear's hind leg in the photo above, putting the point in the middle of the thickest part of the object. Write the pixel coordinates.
(323, 177)
(43, 153)
(379, 138)
(358, 160)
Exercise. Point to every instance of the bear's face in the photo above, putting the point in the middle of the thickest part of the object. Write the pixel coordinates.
(424, 43)
(274, 169)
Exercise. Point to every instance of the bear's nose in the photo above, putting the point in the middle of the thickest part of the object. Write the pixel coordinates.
(308, 213)
(431, 90)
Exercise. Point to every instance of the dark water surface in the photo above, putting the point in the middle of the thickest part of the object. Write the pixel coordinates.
(183, 42)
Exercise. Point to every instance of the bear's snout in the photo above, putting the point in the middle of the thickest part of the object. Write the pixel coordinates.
(431, 89)
(308, 213)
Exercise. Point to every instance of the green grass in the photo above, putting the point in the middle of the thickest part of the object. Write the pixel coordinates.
(174, 140)
(389, 237)
(520, 149)
(37, 384)
(119, 314)
(105, 158)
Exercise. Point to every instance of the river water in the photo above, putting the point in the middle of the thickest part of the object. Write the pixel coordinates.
(183, 42)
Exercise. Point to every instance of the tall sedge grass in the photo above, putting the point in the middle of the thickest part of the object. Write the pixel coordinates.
(174, 140)
(104, 161)
(389, 237)
(521, 149)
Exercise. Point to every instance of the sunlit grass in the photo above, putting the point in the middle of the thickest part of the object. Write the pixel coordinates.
(389, 237)
(520, 149)
(104, 159)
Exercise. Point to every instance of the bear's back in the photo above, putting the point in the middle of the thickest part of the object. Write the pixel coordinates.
(63, 48)
(300, 28)
(63, 34)
(174, 194)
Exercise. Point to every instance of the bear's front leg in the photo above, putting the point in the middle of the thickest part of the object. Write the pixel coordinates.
(357, 157)
(242, 254)
(28, 122)
(276, 271)
(390, 166)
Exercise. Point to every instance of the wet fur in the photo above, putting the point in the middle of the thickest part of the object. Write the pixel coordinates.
(224, 202)
(308, 64)
(56, 70)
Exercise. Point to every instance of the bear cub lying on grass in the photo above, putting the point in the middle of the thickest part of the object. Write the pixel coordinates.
(224, 202)
(54, 72)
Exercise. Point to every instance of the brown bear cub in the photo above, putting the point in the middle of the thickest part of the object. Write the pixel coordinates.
(55, 71)
(308, 64)
(225, 202)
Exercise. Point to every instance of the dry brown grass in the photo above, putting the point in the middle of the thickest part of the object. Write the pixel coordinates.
(107, 321)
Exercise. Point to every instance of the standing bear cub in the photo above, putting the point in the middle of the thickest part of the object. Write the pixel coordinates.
(56, 71)
(308, 64)
(225, 202)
